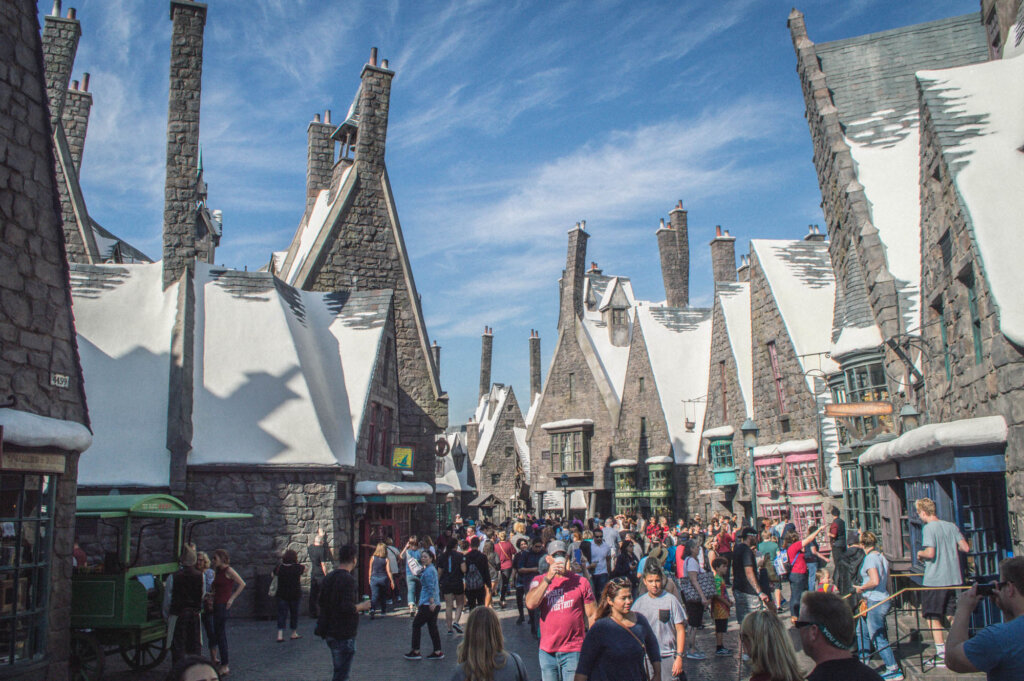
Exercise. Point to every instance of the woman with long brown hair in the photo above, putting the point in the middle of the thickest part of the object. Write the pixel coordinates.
(620, 644)
(772, 656)
(380, 579)
(289, 593)
(482, 655)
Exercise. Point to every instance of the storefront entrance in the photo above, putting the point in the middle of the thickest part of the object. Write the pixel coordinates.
(381, 521)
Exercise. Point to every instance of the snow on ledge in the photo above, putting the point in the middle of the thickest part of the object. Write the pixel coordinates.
(853, 340)
(721, 431)
(567, 423)
(660, 459)
(619, 463)
(987, 430)
(32, 430)
(787, 447)
(443, 488)
(372, 487)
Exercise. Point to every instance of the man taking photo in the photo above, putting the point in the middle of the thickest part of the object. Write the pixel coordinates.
(997, 650)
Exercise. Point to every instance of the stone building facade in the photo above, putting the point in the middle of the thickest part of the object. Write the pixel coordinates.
(43, 416)
(496, 437)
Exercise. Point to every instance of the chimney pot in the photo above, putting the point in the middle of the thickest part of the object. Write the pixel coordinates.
(72, 13)
(316, 118)
(373, 56)
(661, 224)
(327, 116)
(718, 230)
(384, 63)
(85, 82)
(56, 8)
(680, 204)
(74, 85)
(583, 224)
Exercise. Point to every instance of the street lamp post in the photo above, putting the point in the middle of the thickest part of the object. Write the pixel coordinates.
(563, 482)
(750, 430)
(910, 417)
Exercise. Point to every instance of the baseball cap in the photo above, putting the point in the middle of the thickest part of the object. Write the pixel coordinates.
(557, 546)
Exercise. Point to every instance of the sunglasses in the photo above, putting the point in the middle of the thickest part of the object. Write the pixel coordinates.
(800, 624)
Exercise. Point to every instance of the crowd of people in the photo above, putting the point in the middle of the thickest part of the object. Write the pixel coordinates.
(626, 598)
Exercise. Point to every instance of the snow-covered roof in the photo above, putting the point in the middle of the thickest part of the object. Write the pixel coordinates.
(787, 447)
(735, 301)
(977, 432)
(977, 115)
(658, 459)
(679, 349)
(312, 229)
(489, 411)
(607, 361)
(124, 321)
(555, 499)
(295, 391)
(1014, 44)
(720, 431)
(567, 423)
(533, 410)
(32, 430)
(852, 340)
(457, 480)
(374, 487)
(618, 463)
(802, 282)
(522, 450)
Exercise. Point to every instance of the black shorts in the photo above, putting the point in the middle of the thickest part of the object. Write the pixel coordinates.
(938, 603)
(721, 626)
(456, 589)
(695, 614)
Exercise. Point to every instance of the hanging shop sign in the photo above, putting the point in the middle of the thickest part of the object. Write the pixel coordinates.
(402, 458)
(854, 409)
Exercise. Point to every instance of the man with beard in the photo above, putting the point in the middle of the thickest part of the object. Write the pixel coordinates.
(997, 650)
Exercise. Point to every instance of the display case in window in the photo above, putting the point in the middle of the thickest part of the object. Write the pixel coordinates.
(723, 465)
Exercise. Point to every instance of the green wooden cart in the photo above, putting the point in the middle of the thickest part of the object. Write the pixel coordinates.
(117, 606)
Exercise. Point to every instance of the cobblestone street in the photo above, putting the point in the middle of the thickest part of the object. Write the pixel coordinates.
(380, 646)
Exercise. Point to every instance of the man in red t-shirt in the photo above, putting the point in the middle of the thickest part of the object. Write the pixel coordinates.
(565, 604)
(798, 566)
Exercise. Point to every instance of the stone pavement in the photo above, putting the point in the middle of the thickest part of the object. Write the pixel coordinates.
(379, 649)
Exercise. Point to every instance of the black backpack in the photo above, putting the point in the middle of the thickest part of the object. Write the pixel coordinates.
(474, 580)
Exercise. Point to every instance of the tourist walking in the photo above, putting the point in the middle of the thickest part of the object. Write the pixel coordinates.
(397, 570)
(827, 635)
(746, 588)
(695, 599)
(451, 568)
(185, 607)
(767, 644)
(798, 566)
(527, 566)
(621, 643)
(873, 587)
(505, 552)
(227, 584)
(565, 604)
(429, 607)
(379, 577)
(666, 617)
(481, 654)
(289, 593)
(339, 609)
(478, 576)
(319, 565)
(626, 561)
(939, 540)
(410, 555)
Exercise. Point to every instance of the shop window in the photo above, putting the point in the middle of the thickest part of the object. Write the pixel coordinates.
(912, 525)
(806, 515)
(802, 476)
(26, 533)
(862, 380)
(570, 452)
(780, 387)
(981, 514)
(383, 434)
(769, 478)
(972, 303)
(722, 462)
(892, 514)
(772, 512)
(860, 497)
(618, 317)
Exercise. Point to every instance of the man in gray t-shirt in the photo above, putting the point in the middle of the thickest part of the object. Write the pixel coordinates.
(940, 542)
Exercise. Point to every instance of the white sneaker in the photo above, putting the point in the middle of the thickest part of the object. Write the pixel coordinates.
(696, 655)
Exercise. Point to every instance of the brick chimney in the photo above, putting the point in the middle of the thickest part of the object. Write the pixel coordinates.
(814, 234)
(673, 247)
(180, 212)
(486, 350)
(60, 43)
(374, 101)
(435, 351)
(723, 255)
(535, 384)
(743, 271)
(75, 118)
(319, 157)
(573, 276)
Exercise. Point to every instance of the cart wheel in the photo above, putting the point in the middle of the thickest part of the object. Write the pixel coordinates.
(144, 655)
(86, 657)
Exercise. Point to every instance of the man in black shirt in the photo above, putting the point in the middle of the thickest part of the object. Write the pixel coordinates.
(745, 587)
(827, 633)
(320, 560)
(339, 612)
(837, 533)
(475, 593)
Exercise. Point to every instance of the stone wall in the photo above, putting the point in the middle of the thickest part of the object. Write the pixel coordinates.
(37, 338)
(75, 119)
(723, 257)
(995, 385)
(319, 159)
(501, 458)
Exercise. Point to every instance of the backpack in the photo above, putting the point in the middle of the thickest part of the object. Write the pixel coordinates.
(781, 564)
(415, 567)
(474, 580)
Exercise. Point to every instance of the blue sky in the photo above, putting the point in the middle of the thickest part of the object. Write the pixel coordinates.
(510, 121)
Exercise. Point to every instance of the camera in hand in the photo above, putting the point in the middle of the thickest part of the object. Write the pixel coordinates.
(986, 588)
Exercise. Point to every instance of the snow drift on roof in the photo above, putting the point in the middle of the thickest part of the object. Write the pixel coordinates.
(32, 430)
(719, 432)
(311, 230)
(802, 281)
(1014, 45)
(977, 115)
(282, 376)
(123, 319)
(374, 487)
(567, 423)
(735, 301)
(787, 447)
(488, 413)
(522, 449)
(852, 340)
(611, 360)
(679, 348)
(978, 432)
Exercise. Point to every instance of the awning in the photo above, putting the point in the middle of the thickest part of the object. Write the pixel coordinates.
(568, 423)
(442, 488)
(484, 498)
(368, 488)
(659, 459)
(787, 447)
(719, 432)
(618, 463)
(934, 437)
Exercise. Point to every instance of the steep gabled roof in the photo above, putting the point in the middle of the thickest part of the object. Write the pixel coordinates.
(488, 413)
(458, 480)
(735, 301)
(679, 349)
(607, 362)
(977, 115)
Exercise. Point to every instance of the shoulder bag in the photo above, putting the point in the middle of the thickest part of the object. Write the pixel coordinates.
(648, 670)
(706, 582)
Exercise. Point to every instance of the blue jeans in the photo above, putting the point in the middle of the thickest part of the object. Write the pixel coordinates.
(871, 631)
(379, 593)
(284, 609)
(812, 570)
(343, 650)
(797, 587)
(412, 585)
(220, 633)
(599, 582)
(557, 666)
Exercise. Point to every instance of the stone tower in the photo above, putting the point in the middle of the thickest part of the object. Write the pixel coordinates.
(674, 249)
(723, 256)
(486, 351)
(535, 383)
(180, 192)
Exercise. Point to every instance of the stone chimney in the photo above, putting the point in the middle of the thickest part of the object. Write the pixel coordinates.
(797, 27)
(60, 43)
(472, 440)
(486, 350)
(673, 247)
(435, 351)
(814, 234)
(573, 276)
(319, 157)
(723, 255)
(374, 101)
(180, 192)
(75, 118)
(743, 271)
(535, 384)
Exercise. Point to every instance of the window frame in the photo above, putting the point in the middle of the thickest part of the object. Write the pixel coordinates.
(579, 459)
(721, 455)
